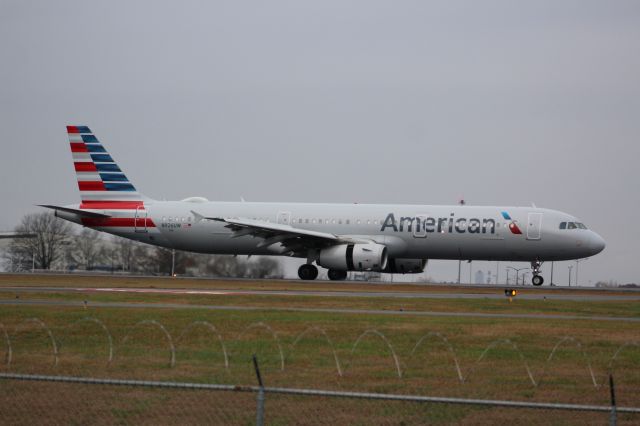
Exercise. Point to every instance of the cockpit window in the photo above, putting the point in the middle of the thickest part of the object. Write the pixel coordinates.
(572, 225)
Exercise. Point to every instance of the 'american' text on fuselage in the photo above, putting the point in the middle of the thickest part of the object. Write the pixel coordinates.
(442, 224)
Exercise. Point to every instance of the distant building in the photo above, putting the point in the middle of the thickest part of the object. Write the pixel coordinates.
(479, 277)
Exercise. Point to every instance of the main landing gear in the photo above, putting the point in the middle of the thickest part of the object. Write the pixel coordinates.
(310, 272)
(307, 272)
(335, 275)
(537, 279)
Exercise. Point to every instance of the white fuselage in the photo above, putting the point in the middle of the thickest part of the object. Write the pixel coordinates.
(408, 231)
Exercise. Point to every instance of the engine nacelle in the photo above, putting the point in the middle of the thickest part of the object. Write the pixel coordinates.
(354, 257)
(405, 266)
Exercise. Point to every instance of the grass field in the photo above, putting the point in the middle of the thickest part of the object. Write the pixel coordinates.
(489, 358)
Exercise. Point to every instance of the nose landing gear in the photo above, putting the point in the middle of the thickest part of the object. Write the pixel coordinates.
(537, 279)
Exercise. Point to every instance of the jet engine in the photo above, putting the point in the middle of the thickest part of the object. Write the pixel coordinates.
(354, 257)
(405, 266)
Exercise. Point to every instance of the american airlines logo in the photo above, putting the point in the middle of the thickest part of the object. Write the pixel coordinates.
(512, 224)
(449, 224)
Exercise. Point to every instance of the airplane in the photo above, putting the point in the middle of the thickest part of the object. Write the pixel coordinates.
(384, 238)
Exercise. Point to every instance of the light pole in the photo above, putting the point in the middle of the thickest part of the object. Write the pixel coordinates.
(173, 261)
(570, 266)
(459, 269)
(518, 274)
(577, 263)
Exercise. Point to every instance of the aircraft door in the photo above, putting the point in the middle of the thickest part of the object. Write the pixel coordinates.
(284, 218)
(534, 226)
(140, 219)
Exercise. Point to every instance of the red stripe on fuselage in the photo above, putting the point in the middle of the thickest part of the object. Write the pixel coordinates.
(91, 185)
(78, 147)
(111, 205)
(118, 222)
(85, 167)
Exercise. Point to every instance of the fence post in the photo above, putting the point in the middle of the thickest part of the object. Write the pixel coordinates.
(260, 407)
(613, 419)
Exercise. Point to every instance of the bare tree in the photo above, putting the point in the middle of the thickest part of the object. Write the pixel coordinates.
(46, 248)
(163, 259)
(233, 266)
(264, 267)
(87, 248)
(125, 248)
(144, 261)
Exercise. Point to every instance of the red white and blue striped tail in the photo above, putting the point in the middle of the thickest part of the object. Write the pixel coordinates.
(102, 183)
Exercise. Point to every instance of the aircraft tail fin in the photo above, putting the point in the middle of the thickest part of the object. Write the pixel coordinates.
(101, 182)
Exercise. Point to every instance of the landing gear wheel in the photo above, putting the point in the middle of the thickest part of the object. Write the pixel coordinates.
(335, 275)
(537, 280)
(307, 272)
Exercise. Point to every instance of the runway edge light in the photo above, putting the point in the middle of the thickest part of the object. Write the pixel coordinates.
(510, 293)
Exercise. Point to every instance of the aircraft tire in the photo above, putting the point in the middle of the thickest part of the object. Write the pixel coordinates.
(537, 280)
(307, 272)
(335, 275)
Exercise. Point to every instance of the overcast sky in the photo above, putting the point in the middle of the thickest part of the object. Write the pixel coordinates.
(502, 103)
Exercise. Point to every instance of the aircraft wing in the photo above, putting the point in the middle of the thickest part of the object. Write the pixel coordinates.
(293, 240)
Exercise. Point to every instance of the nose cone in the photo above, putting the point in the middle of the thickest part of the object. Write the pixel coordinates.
(597, 243)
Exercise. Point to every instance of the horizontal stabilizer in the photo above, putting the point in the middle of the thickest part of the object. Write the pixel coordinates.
(81, 213)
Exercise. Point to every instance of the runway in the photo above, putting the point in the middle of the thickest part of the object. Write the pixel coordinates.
(135, 305)
(523, 293)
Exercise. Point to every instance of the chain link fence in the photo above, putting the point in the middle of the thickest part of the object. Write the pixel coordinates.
(37, 399)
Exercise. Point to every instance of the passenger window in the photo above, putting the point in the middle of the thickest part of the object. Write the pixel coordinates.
(563, 225)
(348, 221)
(339, 221)
(358, 221)
(313, 221)
(333, 221)
(164, 219)
(299, 220)
(306, 221)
